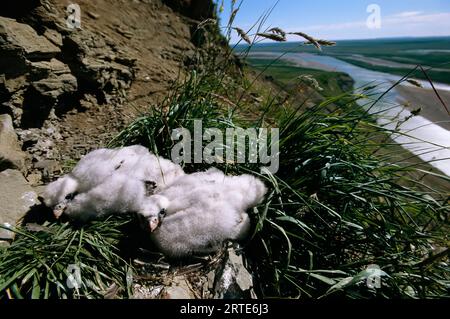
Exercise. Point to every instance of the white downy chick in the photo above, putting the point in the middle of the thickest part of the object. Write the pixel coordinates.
(94, 171)
(202, 210)
(118, 194)
(90, 171)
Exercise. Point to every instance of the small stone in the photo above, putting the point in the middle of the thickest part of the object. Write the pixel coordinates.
(48, 167)
(28, 136)
(234, 281)
(144, 292)
(178, 290)
(127, 34)
(34, 179)
(93, 15)
(211, 276)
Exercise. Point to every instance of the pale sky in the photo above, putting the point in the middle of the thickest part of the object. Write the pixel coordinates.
(347, 19)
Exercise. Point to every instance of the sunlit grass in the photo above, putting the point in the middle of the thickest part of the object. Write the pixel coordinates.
(41, 259)
(334, 207)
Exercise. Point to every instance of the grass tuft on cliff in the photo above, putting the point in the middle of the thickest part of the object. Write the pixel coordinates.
(65, 261)
(342, 217)
(337, 216)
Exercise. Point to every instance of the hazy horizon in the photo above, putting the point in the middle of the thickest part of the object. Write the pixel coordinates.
(362, 39)
(327, 19)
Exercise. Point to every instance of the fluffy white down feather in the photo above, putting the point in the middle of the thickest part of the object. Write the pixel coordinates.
(110, 181)
(118, 194)
(202, 211)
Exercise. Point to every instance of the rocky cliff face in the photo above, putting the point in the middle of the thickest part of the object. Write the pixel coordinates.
(69, 82)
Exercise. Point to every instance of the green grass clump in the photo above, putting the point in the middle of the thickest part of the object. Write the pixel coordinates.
(39, 261)
(285, 74)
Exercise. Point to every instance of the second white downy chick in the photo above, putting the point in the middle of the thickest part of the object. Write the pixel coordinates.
(202, 211)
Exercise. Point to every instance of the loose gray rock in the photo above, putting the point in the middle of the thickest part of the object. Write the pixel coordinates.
(16, 198)
(233, 281)
(34, 179)
(11, 155)
(145, 292)
(49, 168)
(180, 289)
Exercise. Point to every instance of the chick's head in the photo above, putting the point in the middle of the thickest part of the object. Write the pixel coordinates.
(59, 193)
(153, 211)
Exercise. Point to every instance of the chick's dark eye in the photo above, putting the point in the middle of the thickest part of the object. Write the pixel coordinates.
(162, 213)
(71, 196)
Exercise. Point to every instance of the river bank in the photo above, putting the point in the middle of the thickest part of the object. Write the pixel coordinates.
(414, 98)
(419, 135)
(431, 124)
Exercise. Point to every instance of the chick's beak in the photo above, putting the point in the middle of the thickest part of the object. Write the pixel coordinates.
(153, 223)
(58, 211)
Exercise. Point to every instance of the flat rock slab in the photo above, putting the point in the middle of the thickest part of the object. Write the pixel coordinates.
(11, 156)
(20, 36)
(16, 198)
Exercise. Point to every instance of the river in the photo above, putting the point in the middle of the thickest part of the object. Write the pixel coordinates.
(425, 139)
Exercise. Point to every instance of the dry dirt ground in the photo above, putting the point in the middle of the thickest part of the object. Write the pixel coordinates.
(153, 35)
